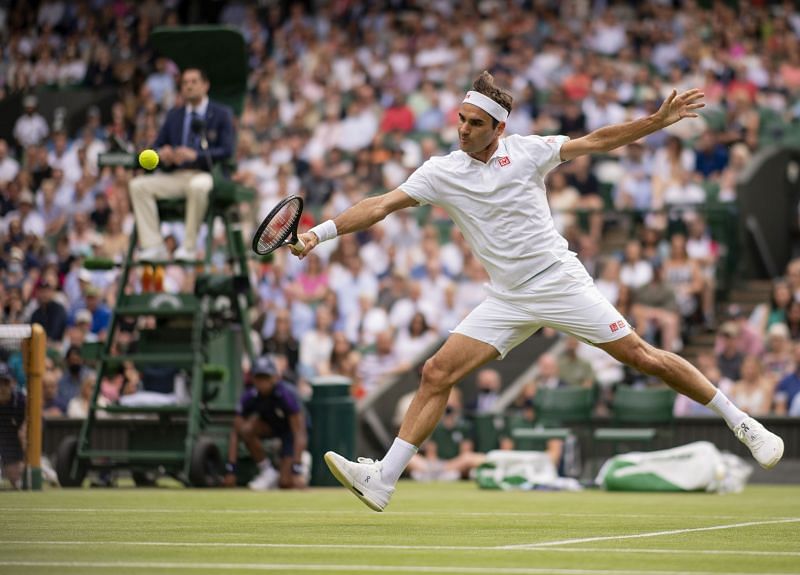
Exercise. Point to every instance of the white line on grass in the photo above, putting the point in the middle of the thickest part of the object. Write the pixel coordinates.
(651, 534)
(273, 512)
(369, 547)
(283, 567)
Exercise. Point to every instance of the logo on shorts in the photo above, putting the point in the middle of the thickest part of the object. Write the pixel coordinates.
(616, 326)
(504, 160)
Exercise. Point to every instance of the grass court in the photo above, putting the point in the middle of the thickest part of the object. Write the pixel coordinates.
(428, 528)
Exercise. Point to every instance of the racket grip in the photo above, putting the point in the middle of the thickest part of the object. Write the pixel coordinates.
(299, 246)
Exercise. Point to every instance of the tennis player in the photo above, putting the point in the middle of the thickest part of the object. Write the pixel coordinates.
(493, 189)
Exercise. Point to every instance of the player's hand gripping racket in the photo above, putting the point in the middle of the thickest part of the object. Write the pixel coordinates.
(279, 228)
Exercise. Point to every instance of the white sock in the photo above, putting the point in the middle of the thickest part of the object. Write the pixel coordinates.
(396, 459)
(725, 408)
(264, 464)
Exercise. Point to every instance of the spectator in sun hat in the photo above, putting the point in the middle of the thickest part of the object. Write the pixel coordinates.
(30, 128)
(81, 330)
(101, 314)
(778, 359)
(748, 340)
(30, 220)
(84, 321)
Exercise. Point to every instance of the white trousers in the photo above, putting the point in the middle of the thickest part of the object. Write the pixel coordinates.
(194, 185)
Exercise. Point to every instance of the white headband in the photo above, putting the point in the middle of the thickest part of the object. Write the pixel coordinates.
(486, 104)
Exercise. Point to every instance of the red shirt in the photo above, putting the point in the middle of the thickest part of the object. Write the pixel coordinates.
(398, 119)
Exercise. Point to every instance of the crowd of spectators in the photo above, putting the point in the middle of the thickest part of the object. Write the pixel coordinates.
(345, 99)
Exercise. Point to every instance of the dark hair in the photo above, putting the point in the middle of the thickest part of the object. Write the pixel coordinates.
(199, 70)
(421, 316)
(484, 84)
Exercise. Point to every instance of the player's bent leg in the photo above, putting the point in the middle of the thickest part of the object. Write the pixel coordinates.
(373, 481)
(674, 370)
(683, 377)
(459, 356)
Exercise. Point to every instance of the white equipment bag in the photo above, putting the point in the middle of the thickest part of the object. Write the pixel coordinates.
(697, 466)
(521, 470)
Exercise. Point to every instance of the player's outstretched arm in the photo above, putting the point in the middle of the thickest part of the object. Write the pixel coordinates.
(358, 217)
(674, 108)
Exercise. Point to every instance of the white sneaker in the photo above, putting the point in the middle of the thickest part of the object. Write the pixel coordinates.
(364, 478)
(156, 253)
(766, 447)
(184, 255)
(267, 479)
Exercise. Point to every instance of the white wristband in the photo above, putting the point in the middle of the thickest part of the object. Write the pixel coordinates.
(325, 231)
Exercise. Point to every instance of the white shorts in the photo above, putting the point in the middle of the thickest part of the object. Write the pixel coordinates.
(563, 297)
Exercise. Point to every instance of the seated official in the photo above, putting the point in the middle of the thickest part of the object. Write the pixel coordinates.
(186, 168)
(270, 408)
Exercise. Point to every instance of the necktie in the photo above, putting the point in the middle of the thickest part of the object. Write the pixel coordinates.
(190, 138)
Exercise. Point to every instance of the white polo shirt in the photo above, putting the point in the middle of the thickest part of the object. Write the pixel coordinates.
(500, 206)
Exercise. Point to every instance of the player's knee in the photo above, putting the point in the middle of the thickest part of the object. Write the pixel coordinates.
(648, 359)
(435, 377)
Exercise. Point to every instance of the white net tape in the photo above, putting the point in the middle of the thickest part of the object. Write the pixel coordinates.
(11, 335)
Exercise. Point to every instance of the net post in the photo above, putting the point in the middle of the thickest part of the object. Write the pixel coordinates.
(33, 355)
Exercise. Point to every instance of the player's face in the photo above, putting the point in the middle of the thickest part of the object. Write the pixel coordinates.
(475, 129)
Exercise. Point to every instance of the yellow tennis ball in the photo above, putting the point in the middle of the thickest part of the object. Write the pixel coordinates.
(148, 159)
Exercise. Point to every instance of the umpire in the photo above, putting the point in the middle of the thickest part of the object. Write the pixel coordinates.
(193, 136)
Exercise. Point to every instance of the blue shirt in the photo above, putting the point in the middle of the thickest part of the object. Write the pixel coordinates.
(789, 387)
(711, 161)
(101, 318)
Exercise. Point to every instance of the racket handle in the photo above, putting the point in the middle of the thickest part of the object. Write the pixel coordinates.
(299, 246)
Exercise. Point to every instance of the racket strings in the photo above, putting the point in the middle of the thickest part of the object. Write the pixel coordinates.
(279, 227)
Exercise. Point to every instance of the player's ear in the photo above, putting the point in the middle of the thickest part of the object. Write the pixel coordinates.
(501, 127)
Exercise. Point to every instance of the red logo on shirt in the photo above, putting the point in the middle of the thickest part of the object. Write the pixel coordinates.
(616, 326)
(504, 160)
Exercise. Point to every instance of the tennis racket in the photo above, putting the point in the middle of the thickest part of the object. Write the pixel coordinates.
(279, 228)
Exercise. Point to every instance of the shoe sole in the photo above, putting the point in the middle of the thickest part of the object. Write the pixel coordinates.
(330, 461)
(774, 461)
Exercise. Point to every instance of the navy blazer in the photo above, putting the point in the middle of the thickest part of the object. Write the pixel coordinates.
(219, 133)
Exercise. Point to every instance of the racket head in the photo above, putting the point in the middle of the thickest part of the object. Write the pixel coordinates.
(279, 227)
